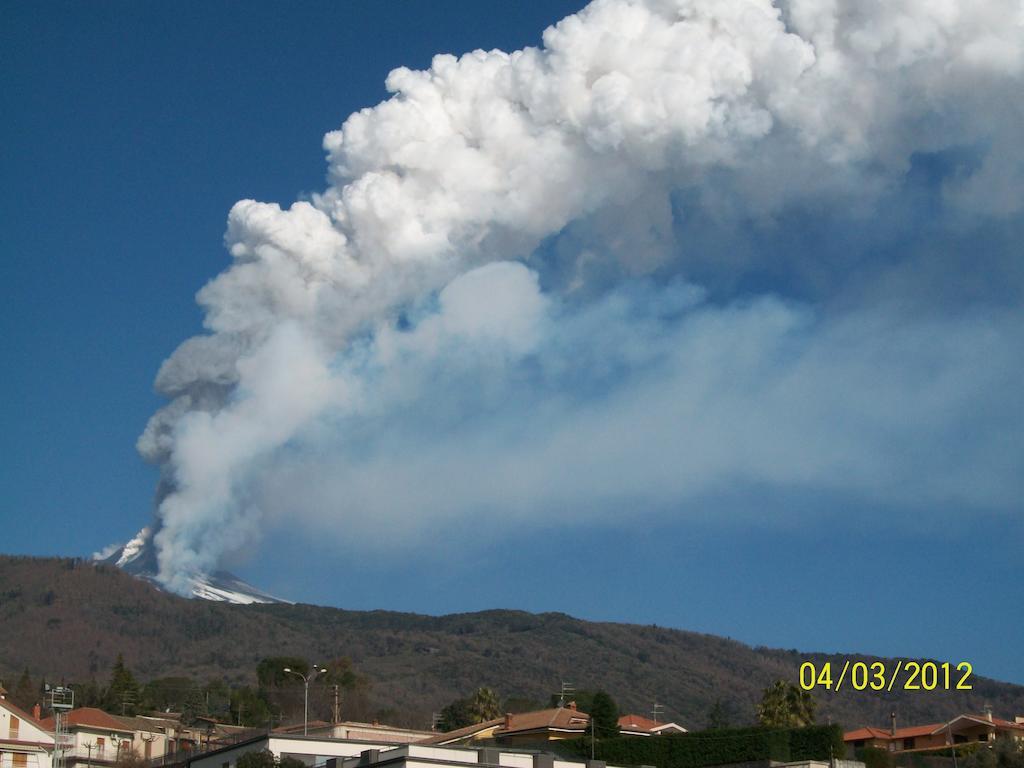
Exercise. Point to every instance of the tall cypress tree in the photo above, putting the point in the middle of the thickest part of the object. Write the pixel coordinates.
(604, 716)
(24, 694)
(123, 692)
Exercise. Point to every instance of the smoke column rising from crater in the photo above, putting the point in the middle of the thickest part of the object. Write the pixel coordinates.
(521, 269)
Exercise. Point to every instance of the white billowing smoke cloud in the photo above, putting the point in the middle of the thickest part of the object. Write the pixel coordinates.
(491, 308)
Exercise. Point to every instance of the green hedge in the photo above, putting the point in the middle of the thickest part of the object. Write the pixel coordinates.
(704, 748)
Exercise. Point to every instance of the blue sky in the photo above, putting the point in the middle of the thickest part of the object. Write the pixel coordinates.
(130, 130)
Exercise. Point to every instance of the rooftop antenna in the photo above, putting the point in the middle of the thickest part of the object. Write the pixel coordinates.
(567, 690)
(657, 710)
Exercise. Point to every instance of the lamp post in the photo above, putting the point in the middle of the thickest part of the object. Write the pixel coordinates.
(306, 679)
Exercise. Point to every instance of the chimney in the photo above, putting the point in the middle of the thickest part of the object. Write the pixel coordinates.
(37, 712)
(508, 721)
(571, 705)
(1019, 719)
(892, 726)
(988, 712)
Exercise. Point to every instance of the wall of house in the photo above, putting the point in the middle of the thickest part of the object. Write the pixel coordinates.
(27, 754)
(310, 750)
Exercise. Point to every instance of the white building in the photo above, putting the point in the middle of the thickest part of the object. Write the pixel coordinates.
(24, 742)
(94, 738)
(348, 753)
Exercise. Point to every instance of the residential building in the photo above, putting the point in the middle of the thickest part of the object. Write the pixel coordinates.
(962, 729)
(311, 750)
(420, 756)
(638, 725)
(345, 753)
(94, 737)
(24, 741)
(360, 731)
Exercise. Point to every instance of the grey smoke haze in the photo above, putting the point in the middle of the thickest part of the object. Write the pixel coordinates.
(682, 245)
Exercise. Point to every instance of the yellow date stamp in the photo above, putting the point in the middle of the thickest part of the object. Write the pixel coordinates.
(897, 674)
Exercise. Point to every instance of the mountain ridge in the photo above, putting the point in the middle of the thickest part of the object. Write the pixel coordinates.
(69, 619)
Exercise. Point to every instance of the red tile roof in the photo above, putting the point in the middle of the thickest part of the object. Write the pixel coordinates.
(910, 732)
(559, 718)
(867, 732)
(90, 717)
(638, 722)
(462, 733)
(12, 707)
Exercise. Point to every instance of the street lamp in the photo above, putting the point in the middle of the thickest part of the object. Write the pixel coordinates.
(306, 679)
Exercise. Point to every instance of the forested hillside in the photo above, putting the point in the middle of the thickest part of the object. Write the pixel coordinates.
(69, 619)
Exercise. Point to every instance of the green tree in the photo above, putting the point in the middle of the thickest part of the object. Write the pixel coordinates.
(784, 705)
(1003, 753)
(484, 705)
(456, 715)
(604, 716)
(270, 671)
(481, 706)
(249, 708)
(25, 694)
(122, 696)
(719, 716)
(263, 759)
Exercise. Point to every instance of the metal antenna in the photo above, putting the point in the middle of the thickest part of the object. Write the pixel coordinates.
(657, 710)
(567, 690)
(62, 699)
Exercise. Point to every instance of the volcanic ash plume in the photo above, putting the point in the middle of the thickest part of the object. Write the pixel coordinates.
(682, 246)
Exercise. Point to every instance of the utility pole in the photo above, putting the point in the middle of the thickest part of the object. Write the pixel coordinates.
(337, 703)
(567, 690)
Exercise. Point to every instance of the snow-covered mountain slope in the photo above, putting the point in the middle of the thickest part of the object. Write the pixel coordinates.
(138, 557)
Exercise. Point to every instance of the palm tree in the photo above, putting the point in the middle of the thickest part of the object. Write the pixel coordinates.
(784, 705)
(484, 704)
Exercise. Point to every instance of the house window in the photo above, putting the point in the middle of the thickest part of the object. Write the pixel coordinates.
(100, 743)
(858, 743)
(20, 760)
(982, 737)
(908, 743)
(15, 727)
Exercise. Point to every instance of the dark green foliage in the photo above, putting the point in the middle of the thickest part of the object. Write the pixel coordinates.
(455, 715)
(517, 704)
(720, 716)
(25, 694)
(874, 757)
(784, 705)
(270, 671)
(1002, 753)
(262, 759)
(604, 716)
(704, 748)
(481, 706)
(88, 694)
(248, 707)
(816, 742)
(266, 759)
(122, 695)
